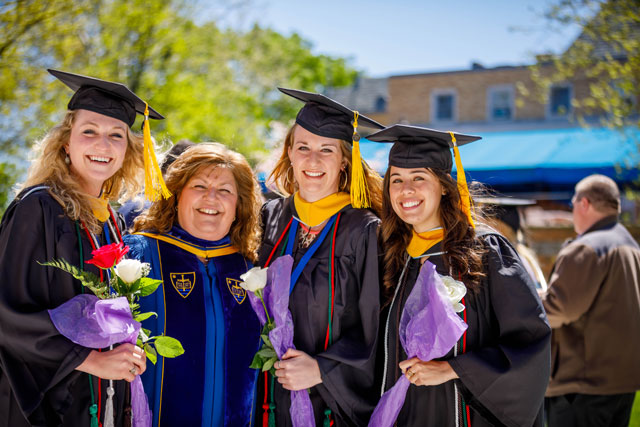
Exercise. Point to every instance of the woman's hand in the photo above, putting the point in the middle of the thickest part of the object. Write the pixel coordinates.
(122, 363)
(427, 373)
(297, 370)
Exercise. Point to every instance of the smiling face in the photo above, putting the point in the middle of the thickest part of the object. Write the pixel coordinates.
(97, 146)
(415, 196)
(207, 203)
(316, 162)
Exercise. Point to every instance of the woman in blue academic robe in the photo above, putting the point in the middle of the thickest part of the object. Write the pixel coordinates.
(199, 242)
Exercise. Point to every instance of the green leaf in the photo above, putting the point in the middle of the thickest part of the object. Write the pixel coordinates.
(88, 279)
(269, 364)
(267, 352)
(152, 355)
(168, 347)
(148, 286)
(266, 340)
(257, 362)
(144, 316)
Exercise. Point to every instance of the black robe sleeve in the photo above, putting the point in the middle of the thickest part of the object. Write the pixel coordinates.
(508, 375)
(37, 364)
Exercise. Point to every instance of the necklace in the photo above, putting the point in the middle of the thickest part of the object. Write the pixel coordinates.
(307, 235)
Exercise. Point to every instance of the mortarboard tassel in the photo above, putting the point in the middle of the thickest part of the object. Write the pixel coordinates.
(359, 190)
(154, 186)
(465, 197)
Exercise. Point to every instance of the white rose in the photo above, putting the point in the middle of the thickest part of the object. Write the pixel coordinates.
(130, 270)
(254, 279)
(454, 291)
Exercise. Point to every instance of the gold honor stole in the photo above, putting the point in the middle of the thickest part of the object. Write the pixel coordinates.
(210, 252)
(315, 213)
(422, 242)
(100, 208)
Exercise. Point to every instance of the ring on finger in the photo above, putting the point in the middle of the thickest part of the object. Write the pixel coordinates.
(409, 373)
(133, 370)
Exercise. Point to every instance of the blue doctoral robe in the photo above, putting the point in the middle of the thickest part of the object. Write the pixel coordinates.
(203, 306)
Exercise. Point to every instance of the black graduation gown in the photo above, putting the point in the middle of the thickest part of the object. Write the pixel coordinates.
(505, 369)
(347, 366)
(38, 379)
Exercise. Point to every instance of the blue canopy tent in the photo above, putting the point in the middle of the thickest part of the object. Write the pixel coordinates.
(540, 163)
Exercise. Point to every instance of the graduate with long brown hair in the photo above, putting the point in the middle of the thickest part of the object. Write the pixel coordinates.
(496, 373)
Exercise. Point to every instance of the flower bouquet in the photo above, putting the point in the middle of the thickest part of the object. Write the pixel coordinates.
(269, 298)
(429, 328)
(112, 315)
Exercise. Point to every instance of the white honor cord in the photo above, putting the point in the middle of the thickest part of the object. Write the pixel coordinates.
(455, 389)
(114, 233)
(386, 329)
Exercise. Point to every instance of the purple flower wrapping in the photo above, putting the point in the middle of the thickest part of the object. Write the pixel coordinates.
(95, 323)
(277, 301)
(429, 328)
(256, 304)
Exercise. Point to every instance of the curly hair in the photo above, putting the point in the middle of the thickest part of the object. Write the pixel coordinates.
(50, 169)
(245, 230)
(282, 174)
(464, 251)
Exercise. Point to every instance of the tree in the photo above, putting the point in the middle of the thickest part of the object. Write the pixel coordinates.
(210, 83)
(607, 54)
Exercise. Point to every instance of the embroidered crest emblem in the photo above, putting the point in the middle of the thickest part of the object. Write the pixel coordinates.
(183, 282)
(236, 290)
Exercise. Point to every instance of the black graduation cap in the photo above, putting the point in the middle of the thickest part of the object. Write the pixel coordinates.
(506, 208)
(325, 117)
(418, 147)
(108, 98)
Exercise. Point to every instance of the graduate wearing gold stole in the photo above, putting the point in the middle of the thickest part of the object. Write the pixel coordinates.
(497, 372)
(328, 225)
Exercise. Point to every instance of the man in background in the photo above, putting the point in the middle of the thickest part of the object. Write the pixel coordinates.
(593, 306)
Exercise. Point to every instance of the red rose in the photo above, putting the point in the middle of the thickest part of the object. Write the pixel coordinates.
(109, 255)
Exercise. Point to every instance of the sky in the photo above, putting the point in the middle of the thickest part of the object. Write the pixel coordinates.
(384, 38)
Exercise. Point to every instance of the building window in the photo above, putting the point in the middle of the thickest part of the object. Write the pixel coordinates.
(500, 102)
(381, 105)
(560, 101)
(443, 106)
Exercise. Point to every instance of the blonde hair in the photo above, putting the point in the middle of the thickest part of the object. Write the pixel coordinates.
(49, 168)
(282, 174)
(245, 230)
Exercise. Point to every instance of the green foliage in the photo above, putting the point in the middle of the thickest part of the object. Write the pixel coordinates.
(606, 55)
(7, 177)
(210, 83)
(266, 357)
(168, 347)
(147, 286)
(151, 353)
(144, 316)
(88, 279)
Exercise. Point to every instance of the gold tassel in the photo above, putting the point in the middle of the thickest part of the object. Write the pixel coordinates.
(465, 197)
(359, 190)
(154, 186)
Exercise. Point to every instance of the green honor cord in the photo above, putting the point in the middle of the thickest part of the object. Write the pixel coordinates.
(93, 409)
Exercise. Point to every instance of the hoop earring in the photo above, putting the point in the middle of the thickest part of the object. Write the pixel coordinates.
(287, 181)
(343, 187)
